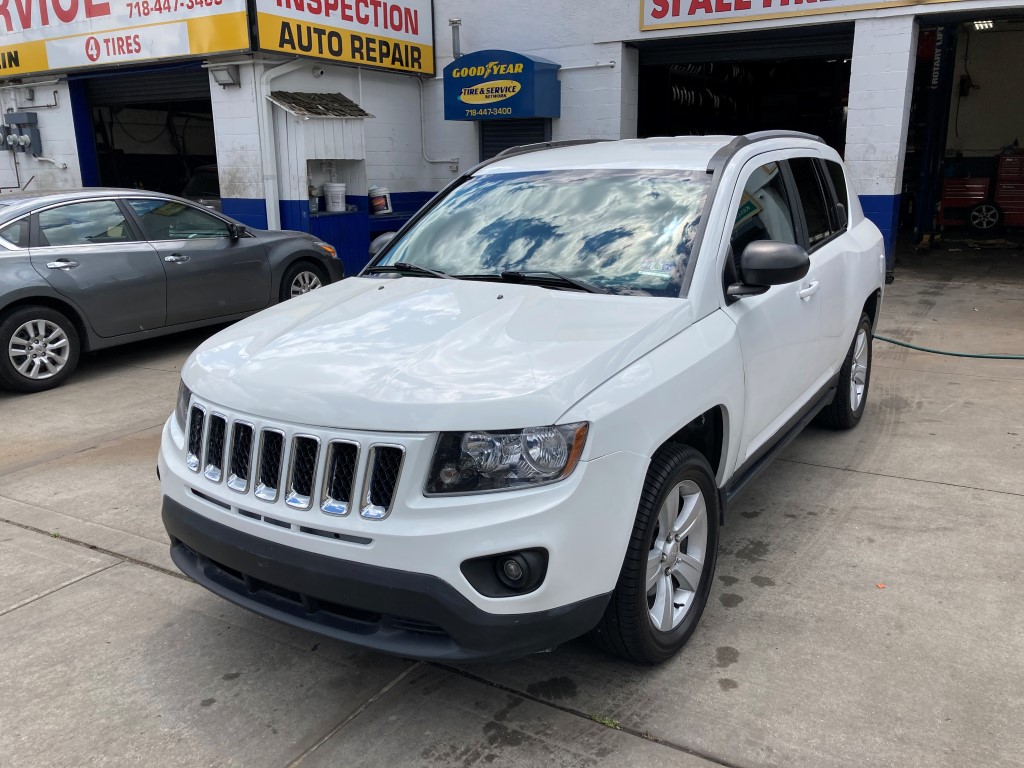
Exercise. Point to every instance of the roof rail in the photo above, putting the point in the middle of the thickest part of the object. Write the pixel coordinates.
(722, 156)
(523, 149)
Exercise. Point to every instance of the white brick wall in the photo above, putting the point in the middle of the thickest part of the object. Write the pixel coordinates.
(236, 127)
(58, 133)
(881, 82)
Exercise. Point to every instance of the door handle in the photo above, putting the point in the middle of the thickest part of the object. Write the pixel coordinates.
(176, 258)
(64, 264)
(808, 290)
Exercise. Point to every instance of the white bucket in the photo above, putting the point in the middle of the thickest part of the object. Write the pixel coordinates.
(334, 196)
(380, 200)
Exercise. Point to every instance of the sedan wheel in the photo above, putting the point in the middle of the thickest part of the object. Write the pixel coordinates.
(304, 282)
(40, 349)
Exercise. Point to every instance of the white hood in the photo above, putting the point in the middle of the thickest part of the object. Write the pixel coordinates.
(424, 354)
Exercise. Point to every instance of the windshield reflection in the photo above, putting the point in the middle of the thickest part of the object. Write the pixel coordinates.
(629, 232)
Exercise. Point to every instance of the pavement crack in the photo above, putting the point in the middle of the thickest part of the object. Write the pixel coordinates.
(94, 548)
(902, 477)
(58, 588)
(353, 715)
(612, 724)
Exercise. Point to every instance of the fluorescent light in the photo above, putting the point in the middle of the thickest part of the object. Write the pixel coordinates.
(980, 25)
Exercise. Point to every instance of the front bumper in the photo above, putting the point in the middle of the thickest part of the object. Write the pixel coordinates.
(399, 612)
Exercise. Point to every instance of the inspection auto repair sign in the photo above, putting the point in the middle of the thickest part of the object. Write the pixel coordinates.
(375, 33)
(43, 35)
(668, 14)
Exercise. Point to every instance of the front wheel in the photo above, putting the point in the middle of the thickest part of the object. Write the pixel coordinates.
(301, 277)
(845, 411)
(670, 562)
(40, 349)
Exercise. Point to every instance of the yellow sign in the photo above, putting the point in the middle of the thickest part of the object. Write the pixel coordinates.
(489, 92)
(373, 33)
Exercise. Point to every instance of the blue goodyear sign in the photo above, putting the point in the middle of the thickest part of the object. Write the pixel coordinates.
(492, 85)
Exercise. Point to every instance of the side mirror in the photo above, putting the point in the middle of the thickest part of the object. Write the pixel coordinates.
(380, 242)
(765, 263)
(236, 231)
(844, 217)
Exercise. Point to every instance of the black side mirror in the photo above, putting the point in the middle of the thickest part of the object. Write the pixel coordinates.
(765, 263)
(844, 217)
(236, 231)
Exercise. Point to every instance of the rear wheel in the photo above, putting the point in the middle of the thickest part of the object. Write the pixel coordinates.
(845, 411)
(40, 349)
(666, 576)
(301, 277)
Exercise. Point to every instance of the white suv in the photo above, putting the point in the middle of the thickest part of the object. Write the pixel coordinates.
(524, 420)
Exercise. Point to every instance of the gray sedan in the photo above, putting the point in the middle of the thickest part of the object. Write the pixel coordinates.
(95, 268)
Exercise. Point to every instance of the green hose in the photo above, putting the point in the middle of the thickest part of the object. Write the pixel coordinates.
(950, 354)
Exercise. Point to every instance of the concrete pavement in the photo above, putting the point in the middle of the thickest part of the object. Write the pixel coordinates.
(866, 609)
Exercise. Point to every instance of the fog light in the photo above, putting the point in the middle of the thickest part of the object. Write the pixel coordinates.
(513, 570)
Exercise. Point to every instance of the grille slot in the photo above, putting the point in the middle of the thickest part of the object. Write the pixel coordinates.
(196, 419)
(302, 478)
(383, 470)
(241, 457)
(213, 469)
(339, 477)
(268, 479)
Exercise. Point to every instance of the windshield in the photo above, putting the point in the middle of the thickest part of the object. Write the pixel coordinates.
(628, 232)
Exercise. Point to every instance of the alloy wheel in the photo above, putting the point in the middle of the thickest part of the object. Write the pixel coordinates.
(305, 282)
(859, 372)
(676, 559)
(39, 349)
(985, 216)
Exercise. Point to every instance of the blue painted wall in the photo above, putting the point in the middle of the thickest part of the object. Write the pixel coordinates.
(81, 116)
(884, 211)
(252, 213)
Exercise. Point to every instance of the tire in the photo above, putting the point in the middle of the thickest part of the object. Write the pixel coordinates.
(628, 627)
(984, 217)
(36, 333)
(301, 277)
(845, 411)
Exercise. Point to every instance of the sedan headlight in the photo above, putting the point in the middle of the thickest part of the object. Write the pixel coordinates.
(326, 247)
(477, 462)
(181, 408)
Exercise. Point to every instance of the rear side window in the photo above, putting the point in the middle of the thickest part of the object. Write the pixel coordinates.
(764, 212)
(17, 233)
(813, 199)
(835, 172)
(89, 223)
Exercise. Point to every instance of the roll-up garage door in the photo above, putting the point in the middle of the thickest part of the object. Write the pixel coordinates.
(498, 135)
(169, 85)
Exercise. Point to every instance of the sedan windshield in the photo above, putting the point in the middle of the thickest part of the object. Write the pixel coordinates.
(627, 232)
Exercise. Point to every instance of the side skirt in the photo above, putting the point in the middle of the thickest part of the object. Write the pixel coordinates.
(757, 463)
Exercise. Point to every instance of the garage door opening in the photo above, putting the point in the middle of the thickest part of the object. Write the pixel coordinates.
(154, 130)
(738, 83)
(964, 171)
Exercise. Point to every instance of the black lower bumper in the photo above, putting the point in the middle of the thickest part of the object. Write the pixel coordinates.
(407, 614)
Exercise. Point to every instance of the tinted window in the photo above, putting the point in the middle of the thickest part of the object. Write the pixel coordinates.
(812, 198)
(171, 220)
(89, 223)
(764, 212)
(629, 232)
(835, 170)
(16, 233)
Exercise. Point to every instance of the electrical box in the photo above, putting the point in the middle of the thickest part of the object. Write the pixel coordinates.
(21, 133)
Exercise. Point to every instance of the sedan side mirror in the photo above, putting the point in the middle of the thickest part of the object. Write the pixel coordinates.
(236, 231)
(765, 263)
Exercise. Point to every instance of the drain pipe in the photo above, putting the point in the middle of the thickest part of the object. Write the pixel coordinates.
(268, 142)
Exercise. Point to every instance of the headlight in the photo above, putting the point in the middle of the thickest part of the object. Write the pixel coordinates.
(326, 247)
(476, 462)
(181, 409)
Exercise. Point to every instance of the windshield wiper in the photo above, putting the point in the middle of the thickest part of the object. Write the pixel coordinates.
(546, 276)
(416, 269)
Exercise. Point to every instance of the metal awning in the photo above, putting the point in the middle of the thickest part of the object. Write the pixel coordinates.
(322, 105)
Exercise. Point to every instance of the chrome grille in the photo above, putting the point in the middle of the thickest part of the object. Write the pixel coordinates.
(269, 472)
(339, 478)
(213, 469)
(277, 465)
(194, 449)
(241, 456)
(302, 477)
(384, 468)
